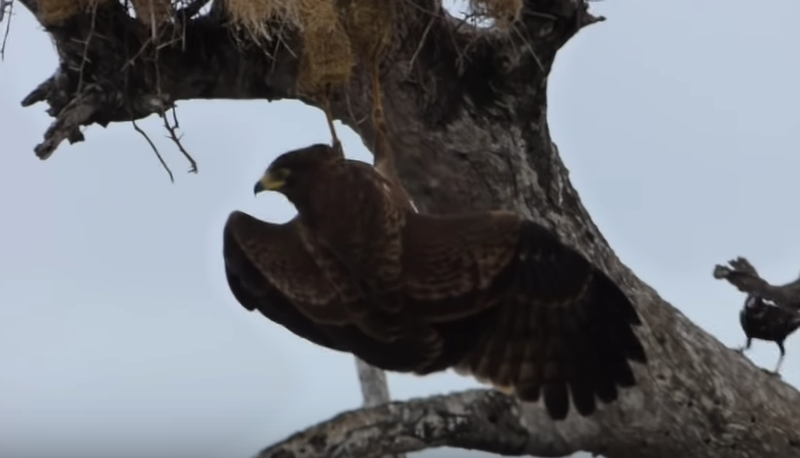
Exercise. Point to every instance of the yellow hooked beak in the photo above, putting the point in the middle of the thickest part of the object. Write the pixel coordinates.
(271, 181)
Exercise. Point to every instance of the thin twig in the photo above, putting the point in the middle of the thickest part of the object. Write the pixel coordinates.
(421, 43)
(177, 140)
(3, 5)
(527, 44)
(155, 150)
(175, 119)
(86, 46)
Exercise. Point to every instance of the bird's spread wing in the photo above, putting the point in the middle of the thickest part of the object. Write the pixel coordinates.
(549, 322)
(488, 294)
(268, 270)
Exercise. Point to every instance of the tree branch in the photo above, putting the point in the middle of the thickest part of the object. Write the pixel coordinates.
(492, 422)
(124, 75)
(480, 420)
(374, 389)
(467, 117)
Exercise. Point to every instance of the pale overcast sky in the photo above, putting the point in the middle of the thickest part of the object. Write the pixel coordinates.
(679, 124)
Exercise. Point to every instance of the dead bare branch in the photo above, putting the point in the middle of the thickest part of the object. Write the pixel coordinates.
(78, 112)
(172, 129)
(155, 150)
(477, 420)
(6, 9)
(86, 44)
(374, 389)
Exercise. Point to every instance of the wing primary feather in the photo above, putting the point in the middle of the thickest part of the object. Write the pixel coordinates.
(582, 340)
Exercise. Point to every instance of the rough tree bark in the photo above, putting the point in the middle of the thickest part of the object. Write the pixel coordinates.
(467, 112)
(374, 390)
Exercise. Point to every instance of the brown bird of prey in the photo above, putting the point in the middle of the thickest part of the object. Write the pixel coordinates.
(486, 293)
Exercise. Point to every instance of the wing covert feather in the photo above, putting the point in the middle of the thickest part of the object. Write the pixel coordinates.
(254, 292)
(556, 326)
(419, 347)
(277, 253)
(450, 262)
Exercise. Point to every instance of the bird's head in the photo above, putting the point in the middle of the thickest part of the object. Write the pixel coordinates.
(294, 170)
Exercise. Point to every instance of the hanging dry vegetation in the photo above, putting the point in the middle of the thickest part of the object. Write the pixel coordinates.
(331, 38)
(475, 136)
(336, 34)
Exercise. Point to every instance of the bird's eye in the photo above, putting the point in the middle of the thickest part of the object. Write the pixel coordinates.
(284, 175)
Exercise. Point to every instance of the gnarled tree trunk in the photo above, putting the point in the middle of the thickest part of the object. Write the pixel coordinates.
(467, 113)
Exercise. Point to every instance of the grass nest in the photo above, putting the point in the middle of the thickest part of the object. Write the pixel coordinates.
(54, 12)
(336, 34)
(340, 34)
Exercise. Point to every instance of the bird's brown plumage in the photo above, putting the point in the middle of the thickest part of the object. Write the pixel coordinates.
(488, 294)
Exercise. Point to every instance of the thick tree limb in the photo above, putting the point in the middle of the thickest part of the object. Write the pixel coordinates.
(111, 70)
(472, 420)
(467, 114)
(374, 389)
(492, 422)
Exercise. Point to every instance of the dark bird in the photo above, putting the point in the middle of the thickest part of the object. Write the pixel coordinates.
(485, 293)
(764, 320)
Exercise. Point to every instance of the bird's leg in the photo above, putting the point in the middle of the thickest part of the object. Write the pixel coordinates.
(326, 107)
(384, 160)
(777, 370)
(744, 347)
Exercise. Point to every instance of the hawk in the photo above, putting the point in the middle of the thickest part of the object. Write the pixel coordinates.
(764, 320)
(489, 294)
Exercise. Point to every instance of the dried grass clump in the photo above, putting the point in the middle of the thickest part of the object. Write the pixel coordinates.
(152, 12)
(327, 54)
(252, 15)
(369, 24)
(52, 12)
(503, 12)
(336, 34)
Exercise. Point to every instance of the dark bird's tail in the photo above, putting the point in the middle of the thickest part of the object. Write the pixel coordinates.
(565, 330)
